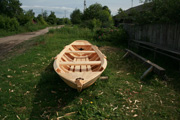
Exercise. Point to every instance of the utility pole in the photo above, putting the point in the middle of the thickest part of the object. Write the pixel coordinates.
(131, 3)
(65, 13)
(84, 5)
(42, 12)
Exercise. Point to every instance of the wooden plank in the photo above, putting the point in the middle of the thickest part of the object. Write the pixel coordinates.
(72, 66)
(160, 52)
(157, 69)
(88, 66)
(157, 46)
(81, 63)
(83, 67)
(81, 57)
(80, 52)
(77, 67)
(147, 72)
(81, 45)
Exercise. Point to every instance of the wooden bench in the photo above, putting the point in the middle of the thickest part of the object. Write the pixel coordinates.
(152, 66)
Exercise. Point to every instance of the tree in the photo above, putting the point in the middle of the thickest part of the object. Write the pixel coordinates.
(60, 21)
(30, 13)
(155, 12)
(52, 18)
(25, 17)
(76, 16)
(66, 21)
(41, 20)
(92, 11)
(107, 9)
(96, 11)
(10, 8)
(45, 15)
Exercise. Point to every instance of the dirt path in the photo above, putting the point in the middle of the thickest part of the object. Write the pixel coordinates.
(7, 43)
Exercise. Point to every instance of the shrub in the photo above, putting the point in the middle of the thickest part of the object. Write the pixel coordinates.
(113, 34)
(9, 24)
(30, 26)
(42, 21)
(75, 32)
(92, 24)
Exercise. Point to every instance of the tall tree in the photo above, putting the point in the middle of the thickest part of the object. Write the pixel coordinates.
(45, 15)
(92, 11)
(107, 9)
(52, 18)
(30, 13)
(76, 16)
(99, 12)
(10, 8)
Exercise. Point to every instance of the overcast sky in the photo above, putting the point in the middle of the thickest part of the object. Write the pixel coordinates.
(65, 7)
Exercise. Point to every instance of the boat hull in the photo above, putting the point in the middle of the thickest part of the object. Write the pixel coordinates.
(80, 64)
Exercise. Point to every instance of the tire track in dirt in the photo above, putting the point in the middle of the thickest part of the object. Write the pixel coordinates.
(9, 42)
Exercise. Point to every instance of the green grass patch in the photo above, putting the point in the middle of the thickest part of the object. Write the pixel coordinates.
(30, 89)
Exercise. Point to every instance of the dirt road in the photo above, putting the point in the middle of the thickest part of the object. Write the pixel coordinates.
(7, 43)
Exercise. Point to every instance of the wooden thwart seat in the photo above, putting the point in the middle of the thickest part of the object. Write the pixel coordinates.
(80, 52)
(81, 57)
(81, 63)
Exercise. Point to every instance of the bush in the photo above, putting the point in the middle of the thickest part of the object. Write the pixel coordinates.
(113, 34)
(67, 21)
(75, 32)
(9, 24)
(30, 26)
(92, 24)
(42, 21)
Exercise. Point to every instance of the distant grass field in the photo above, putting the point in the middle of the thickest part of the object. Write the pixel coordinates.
(30, 89)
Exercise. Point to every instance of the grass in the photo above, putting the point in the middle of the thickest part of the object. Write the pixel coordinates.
(30, 89)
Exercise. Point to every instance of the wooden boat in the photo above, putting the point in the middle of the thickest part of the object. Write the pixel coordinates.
(80, 64)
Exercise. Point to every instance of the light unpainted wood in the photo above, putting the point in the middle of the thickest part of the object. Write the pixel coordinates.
(78, 67)
(81, 57)
(81, 63)
(74, 64)
(80, 52)
(104, 78)
(83, 67)
(88, 66)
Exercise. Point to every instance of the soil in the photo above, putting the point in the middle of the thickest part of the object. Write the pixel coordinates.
(9, 42)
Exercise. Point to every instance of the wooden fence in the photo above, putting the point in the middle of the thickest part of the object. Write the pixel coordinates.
(166, 36)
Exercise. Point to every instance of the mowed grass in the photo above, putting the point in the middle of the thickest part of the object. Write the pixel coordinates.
(30, 89)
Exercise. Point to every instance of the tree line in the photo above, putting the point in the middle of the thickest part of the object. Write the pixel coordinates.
(13, 17)
(92, 17)
(154, 12)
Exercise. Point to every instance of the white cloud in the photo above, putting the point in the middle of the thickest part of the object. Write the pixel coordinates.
(47, 8)
(59, 11)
